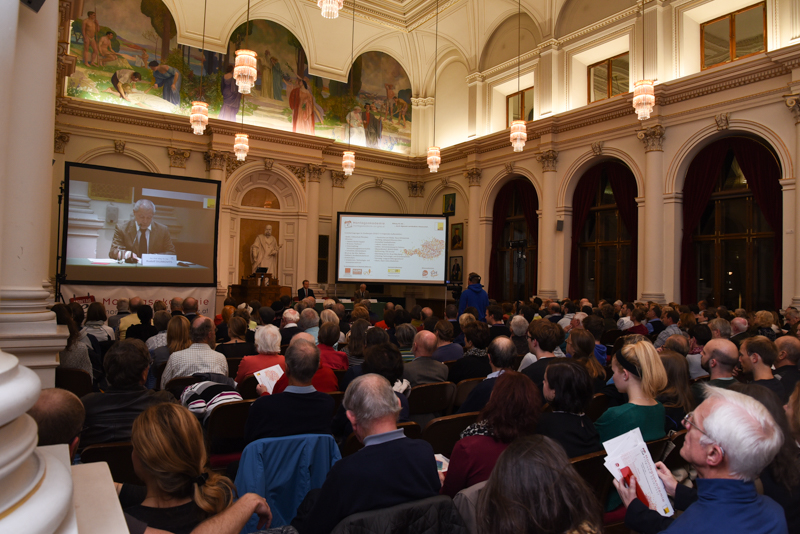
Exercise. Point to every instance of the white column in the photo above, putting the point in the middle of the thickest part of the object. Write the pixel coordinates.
(653, 253)
(793, 102)
(27, 328)
(312, 237)
(547, 267)
(474, 263)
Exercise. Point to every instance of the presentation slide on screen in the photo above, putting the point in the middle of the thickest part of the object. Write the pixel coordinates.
(126, 227)
(387, 248)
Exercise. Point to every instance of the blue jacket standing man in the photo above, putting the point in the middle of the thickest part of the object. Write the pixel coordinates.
(475, 296)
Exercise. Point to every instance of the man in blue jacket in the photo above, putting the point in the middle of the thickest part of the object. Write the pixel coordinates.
(475, 296)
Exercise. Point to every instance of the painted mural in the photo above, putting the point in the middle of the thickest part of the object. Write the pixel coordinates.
(128, 55)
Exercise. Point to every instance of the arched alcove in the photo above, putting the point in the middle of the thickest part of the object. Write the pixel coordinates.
(577, 14)
(375, 200)
(506, 41)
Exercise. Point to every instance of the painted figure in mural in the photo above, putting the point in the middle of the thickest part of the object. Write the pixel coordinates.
(373, 126)
(121, 78)
(355, 127)
(107, 54)
(264, 252)
(230, 96)
(277, 79)
(168, 78)
(90, 28)
(401, 108)
(142, 60)
(265, 66)
(302, 103)
(389, 100)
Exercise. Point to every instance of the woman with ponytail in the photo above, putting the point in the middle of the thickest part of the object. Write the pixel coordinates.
(169, 456)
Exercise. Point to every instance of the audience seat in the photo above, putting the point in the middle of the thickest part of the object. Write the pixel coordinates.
(76, 381)
(338, 397)
(411, 429)
(609, 337)
(463, 389)
(674, 460)
(118, 458)
(450, 364)
(547, 408)
(247, 387)
(233, 366)
(158, 372)
(430, 400)
(659, 448)
(434, 515)
(443, 432)
(705, 378)
(518, 361)
(597, 406)
(283, 470)
(225, 432)
(179, 383)
(617, 346)
(339, 375)
(283, 349)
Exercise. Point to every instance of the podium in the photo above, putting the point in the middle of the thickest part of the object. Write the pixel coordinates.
(261, 287)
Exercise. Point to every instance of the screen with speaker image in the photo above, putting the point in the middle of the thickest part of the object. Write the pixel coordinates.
(129, 227)
(390, 248)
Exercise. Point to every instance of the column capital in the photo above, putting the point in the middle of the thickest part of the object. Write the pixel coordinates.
(416, 189)
(793, 103)
(652, 138)
(232, 163)
(548, 159)
(178, 157)
(215, 160)
(339, 178)
(61, 139)
(473, 176)
(299, 172)
(314, 172)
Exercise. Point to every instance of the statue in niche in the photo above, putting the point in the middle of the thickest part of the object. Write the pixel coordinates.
(264, 252)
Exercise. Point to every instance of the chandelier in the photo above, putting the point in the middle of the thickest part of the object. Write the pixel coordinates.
(244, 70)
(241, 146)
(330, 8)
(348, 162)
(519, 133)
(644, 94)
(198, 117)
(434, 154)
(434, 158)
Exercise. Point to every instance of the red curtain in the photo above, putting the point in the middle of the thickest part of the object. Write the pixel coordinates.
(623, 184)
(585, 196)
(524, 190)
(762, 172)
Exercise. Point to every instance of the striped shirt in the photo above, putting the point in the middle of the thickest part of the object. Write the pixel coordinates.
(199, 358)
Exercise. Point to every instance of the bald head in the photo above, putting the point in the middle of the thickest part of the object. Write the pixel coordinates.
(60, 416)
(502, 353)
(788, 351)
(203, 330)
(424, 344)
(302, 336)
(426, 312)
(134, 303)
(738, 325)
(190, 305)
(719, 357)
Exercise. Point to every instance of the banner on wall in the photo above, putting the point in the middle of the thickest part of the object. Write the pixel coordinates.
(108, 295)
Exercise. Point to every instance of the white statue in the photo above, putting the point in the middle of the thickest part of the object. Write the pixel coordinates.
(264, 252)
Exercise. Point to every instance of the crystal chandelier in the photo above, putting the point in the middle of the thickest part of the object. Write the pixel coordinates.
(330, 8)
(434, 158)
(434, 154)
(519, 135)
(244, 70)
(348, 162)
(644, 98)
(199, 117)
(241, 146)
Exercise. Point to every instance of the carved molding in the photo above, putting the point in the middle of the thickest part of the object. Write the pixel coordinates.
(215, 160)
(509, 167)
(61, 140)
(723, 121)
(416, 189)
(178, 157)
(299, 172)
(444, 179)
(268, 163)
(793, 103)
(339, 178)
(314, 172)
(423, 101)
(473, 176)
(548, 159)
(597, 148)
(378, 181)
(232, 163)
(652, 138)
(119, 146)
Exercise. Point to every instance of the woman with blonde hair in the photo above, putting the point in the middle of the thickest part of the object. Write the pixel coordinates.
(178, 338)
(329, 316)
(763, 324)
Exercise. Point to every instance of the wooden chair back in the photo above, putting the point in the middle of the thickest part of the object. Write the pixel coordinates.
(597, 406)
(592, 469)
(76, 381)
(411, 429)
(247, 387)
(158, 372)
(443, 432)
(431, 398)
(449, 364)
(118, 458)
(233, 366)
(225, 427)
(609, 337)
(338, 397)
(658, 448)
(339, 376)
(674, 460)
(179, 383)
(463, 389)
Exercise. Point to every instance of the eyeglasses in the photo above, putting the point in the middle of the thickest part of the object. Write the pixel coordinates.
(688, 423)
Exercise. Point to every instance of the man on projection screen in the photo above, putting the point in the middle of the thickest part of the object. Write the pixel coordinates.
(142, 235)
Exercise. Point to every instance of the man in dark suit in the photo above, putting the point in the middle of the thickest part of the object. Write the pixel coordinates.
(289, 325)
(176, 306)
(424, 369)
(190, 306)
(304, 291)
(502, 353)
(362, 292)
(299, 409)
(140, 236)
(740, 330)
(494, 318)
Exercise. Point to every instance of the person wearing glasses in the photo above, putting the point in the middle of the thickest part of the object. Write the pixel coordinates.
(730, 440)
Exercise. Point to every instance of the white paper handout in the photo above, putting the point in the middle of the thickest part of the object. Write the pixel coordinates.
(269, 377)
(628, 454)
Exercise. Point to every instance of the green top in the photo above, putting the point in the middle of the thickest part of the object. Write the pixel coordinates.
(621, 419)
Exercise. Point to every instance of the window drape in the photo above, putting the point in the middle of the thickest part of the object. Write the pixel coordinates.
(585, 195)
(623, 184)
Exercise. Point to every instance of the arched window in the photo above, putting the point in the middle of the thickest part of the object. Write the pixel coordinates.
(732, 215)
(604, 234)
(515, 232)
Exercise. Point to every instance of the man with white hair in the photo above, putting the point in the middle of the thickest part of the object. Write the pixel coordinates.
(140, 235)
(740, 330)
(720, 328)
(309, 323)
(730, 439)
(365, 481)
(289, 325)
(519, 333)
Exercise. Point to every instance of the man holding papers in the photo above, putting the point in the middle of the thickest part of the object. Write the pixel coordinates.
(731, 438)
